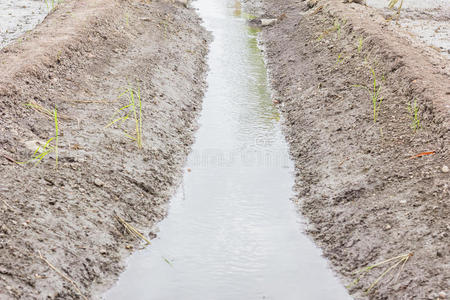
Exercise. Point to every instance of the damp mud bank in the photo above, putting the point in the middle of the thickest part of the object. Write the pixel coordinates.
(60, 237)
(374, 185)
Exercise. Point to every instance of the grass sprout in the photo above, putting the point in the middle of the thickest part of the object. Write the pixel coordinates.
(51, 145)
(360, 44)
(167, 261)
(394, 261)
(337, 27)
(51, 4)
(133, 110)
(413, 110)
(374, 92)
(393, 3)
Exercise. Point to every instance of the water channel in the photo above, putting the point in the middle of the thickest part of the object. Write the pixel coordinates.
(232, 231)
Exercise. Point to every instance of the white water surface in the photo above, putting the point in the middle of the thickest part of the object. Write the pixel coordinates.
(19, 16)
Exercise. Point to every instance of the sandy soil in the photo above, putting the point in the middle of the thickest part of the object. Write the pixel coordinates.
(366, 196)
(79, 60)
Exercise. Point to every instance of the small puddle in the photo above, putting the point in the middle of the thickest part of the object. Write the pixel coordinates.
(232, 231)
(19, 16)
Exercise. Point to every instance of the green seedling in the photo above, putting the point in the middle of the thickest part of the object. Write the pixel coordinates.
(360, 44)
(374, 92)
(396, 261)
(51, 145)
(339, 59)
(413, 110)
(51, 4)
(132, 110)
(392, 4)
(337, 28)
(167, 261)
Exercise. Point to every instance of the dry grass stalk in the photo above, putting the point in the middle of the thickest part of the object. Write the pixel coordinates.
(133, 231)
(396, 261)
(63, 276)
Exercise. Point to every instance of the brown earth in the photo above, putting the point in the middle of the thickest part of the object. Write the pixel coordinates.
(366, 198)
(79, 60)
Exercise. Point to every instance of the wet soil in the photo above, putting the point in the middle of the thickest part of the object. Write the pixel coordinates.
(20, 16)
(79, 60)
(367, 196)
(427, 21)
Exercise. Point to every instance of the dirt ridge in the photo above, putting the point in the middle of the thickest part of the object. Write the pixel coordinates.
(366, 199)
(79, 60)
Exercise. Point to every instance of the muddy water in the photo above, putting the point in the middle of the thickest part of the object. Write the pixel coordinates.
(232, 231)
(19, 16)
(427, 20)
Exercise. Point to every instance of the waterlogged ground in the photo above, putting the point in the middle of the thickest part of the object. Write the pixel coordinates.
(428, 20)
(232, 231)
(18, 17)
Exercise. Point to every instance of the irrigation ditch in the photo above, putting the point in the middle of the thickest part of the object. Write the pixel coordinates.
(99, 104)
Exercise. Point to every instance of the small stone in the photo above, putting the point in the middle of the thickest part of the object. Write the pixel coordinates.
(387, 227)
(129, 247)
(268, 22)
(444, 169)
(312, 229)
(98, 182)
(5, 229)
(403, 201)
(442, 295)
(438, 253)
(312, 3)
(103, 251)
